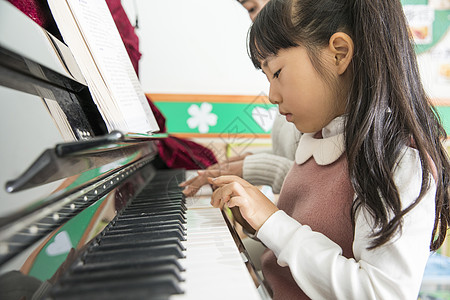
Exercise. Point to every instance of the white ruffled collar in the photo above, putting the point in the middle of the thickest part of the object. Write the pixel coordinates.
(325, 150)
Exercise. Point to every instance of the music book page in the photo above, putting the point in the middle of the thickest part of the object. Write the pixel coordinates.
(90, 32)
(60, 119)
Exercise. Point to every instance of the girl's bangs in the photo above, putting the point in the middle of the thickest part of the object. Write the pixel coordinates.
(259, 48)
(271, 32)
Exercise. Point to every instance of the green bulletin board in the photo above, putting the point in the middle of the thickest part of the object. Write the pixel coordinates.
(218, 118)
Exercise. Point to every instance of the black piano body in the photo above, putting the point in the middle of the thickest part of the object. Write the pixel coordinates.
(94, 218)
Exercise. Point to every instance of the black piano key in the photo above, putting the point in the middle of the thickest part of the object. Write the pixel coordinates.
(154, 209)
(161, 189)
(121, 241)
(148, 219)
(138, 294)
(171, 260)
(164, 183)
(152, 212)
(143, 243)
(147, 196)
(145, 228)
(121, 288)
(132, 254)
(151, 235)
(144, 200)
(155, 191)
(107, 275)
(136, 256)
(157, 204)
(44, 225)
(119, 226)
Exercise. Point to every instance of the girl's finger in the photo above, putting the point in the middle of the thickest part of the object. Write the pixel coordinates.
(236, 201)
(223, 194)
(216, 199)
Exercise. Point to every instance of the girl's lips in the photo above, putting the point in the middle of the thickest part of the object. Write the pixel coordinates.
(288, 117)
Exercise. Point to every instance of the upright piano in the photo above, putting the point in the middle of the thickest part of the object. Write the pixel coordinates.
(94, 218)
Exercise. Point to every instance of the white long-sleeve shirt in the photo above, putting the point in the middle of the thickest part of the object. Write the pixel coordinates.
(391, 271)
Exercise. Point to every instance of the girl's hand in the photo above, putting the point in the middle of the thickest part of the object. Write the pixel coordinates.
(235, 191)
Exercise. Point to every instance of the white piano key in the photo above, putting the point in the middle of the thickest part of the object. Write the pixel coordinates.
(214, 266)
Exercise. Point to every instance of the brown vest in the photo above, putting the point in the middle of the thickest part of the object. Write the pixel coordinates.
(318, 196)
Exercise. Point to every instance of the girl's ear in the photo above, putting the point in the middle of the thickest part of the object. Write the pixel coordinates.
(341, 46)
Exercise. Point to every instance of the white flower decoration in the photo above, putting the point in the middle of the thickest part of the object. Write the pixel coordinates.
(201, 117)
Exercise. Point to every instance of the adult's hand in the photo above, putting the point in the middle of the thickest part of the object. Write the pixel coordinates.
(230, 167)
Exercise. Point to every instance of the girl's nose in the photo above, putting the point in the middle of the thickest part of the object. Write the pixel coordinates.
(274, 96)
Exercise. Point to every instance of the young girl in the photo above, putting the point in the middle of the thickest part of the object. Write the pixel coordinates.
(368, 195)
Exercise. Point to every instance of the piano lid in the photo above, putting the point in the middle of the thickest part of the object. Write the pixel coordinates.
(33, 79)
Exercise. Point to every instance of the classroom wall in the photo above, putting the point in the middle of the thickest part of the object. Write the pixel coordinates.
(199, 47)
(195, 47)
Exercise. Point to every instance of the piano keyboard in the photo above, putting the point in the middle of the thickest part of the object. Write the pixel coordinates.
(214, 267)
(160, 248)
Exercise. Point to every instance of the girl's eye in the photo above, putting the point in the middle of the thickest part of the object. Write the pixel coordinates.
(250, 10)
(277, 74)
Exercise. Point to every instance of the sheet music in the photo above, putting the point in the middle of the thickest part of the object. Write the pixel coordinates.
(105, 65)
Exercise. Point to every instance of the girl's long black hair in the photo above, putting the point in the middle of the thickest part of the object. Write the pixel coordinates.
(387, 106)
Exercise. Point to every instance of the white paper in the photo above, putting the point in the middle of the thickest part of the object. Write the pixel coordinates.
(105, 64)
